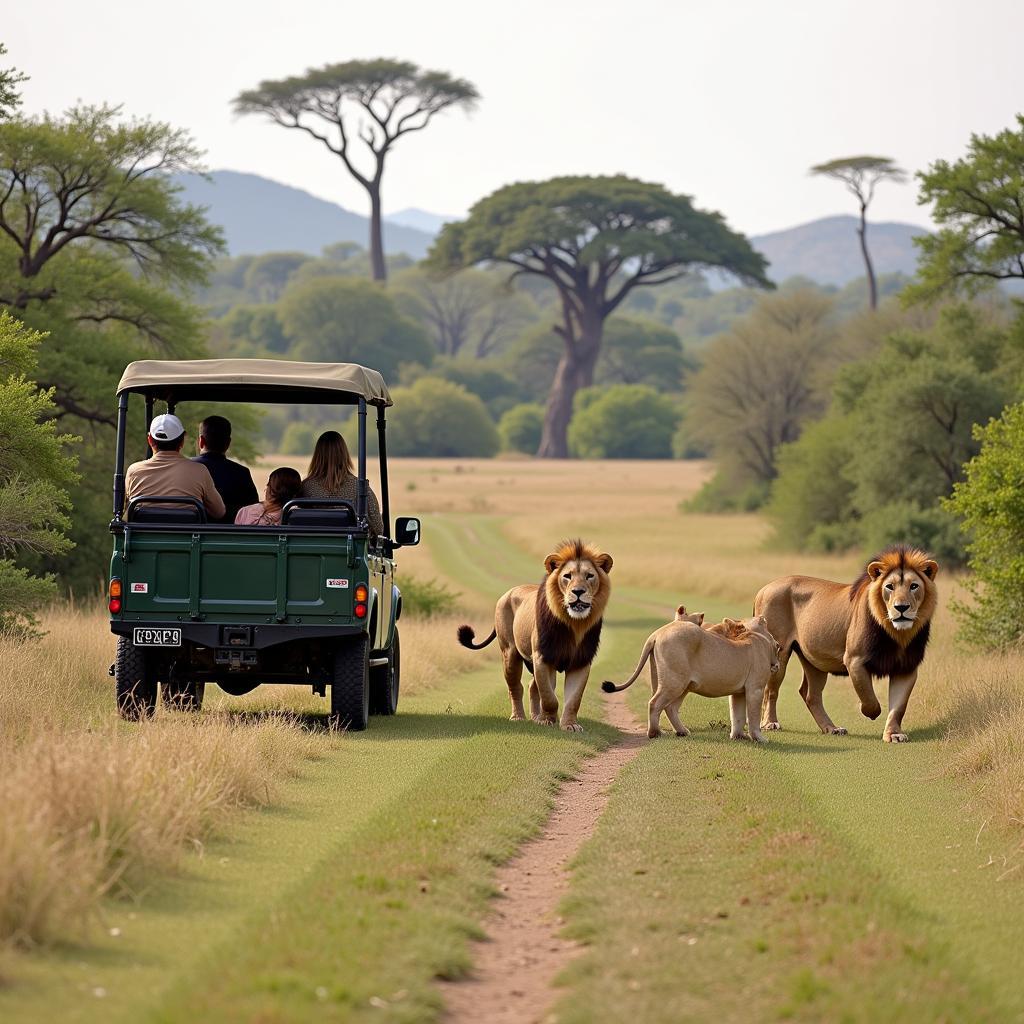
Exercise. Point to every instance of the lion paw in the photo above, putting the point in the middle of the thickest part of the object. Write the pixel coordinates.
(896, 737)
(517, 718)
(871, 711)
(836, 730)
(653, 734)
(683, 733)
(545, 719)
(771, 726)
(572, 727)
(738, 736)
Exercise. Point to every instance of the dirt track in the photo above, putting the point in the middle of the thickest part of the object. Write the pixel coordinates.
(515, 967)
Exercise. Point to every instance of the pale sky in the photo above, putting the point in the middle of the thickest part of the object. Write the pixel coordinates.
(729, 102)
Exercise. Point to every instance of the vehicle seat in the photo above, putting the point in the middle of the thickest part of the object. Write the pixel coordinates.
(160, 514)
(338, 516)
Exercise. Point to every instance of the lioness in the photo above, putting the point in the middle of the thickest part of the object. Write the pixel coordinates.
(550, 628)
(877, 626)
(734, 661)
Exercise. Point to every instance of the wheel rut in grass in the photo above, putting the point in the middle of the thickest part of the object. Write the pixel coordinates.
(515, 966)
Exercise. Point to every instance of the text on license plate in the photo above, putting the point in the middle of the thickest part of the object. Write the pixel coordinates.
(150, 637)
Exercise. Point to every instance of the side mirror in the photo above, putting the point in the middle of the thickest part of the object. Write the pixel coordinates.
(407, 531)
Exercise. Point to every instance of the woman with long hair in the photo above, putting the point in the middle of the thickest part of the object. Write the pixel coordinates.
(284, 485)
(332, 475)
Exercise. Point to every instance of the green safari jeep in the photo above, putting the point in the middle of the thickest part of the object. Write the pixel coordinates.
(312, 601)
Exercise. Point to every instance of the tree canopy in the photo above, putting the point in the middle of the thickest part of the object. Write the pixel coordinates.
(375, 101)
(978, 203)
(344, 319)
(97, 250)
(596, 239)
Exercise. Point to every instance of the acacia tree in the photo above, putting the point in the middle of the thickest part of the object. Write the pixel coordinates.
(594, 239)
(861, 176)
(979, 205)
(377, 101)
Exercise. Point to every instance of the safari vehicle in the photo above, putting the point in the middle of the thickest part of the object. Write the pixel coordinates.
(311, 602)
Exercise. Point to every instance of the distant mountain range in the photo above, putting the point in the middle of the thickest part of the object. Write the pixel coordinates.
(828, 251)
(259, 215)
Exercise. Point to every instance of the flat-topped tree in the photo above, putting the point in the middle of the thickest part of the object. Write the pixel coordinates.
(376, 101)
(861, 176)
(595, 239)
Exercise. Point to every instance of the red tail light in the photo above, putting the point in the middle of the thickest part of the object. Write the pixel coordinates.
(360, 611)
(114, 592)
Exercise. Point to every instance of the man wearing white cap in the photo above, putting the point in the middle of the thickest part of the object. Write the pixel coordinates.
(168, 473)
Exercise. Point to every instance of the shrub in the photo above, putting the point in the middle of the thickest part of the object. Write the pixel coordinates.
(628, 421)
(990, 503)
(520, 428)
(811, 490)
(426, 597)
(298, 439)
(437, 417)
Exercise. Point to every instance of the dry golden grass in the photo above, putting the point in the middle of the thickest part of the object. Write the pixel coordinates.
(95, 807)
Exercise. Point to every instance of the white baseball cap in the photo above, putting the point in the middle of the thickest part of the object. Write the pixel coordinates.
(166, 428)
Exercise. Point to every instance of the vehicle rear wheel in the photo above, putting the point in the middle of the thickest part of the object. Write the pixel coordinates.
(350, 685)
(134, 685)
(384, 681)
(183, 695)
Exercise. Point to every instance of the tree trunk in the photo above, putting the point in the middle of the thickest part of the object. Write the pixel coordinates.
(862, 231)
(575, 370)
(380, 271)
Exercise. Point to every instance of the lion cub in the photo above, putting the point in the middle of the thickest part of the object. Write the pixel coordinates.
(552, 627)
(733, 659)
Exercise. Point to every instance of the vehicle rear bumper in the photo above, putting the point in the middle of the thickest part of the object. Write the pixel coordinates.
(260, 637)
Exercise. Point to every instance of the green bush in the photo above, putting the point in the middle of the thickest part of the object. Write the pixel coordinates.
(628, 421)
(933, 529)
(520, 428)
(811, 490)
(437, 417)
(990, 503)
(298, 439)
(426, 597)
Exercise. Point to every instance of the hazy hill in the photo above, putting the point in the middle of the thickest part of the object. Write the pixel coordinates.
(422, 220)
(828, 250)
(260, 215)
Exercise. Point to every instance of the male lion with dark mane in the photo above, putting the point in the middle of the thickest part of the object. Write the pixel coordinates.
(875, 627)
(552, 627)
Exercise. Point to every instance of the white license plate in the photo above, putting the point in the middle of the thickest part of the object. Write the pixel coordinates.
(148, 637)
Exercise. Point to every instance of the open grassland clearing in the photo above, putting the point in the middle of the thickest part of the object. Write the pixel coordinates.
(822, 878)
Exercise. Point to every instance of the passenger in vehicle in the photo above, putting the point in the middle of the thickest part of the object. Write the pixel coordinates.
(284, 485)
(232, 479)
(168, 473)
(332, 475)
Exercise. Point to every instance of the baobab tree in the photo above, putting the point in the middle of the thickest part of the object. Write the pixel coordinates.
(861, 175)
(594, 239)
(374, 101)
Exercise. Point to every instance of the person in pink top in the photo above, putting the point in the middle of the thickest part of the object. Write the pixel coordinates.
(284, 485)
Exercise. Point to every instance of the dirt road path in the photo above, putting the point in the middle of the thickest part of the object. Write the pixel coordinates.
(515, 967)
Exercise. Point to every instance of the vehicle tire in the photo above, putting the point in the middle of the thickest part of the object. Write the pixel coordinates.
(134, 685)
(183, 696)
(385, 680)
(350, 685)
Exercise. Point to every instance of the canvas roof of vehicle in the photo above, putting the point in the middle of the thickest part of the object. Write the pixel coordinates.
(254, 380)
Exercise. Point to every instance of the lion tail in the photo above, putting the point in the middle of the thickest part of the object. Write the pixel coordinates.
(467, 635)
(609, 687)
